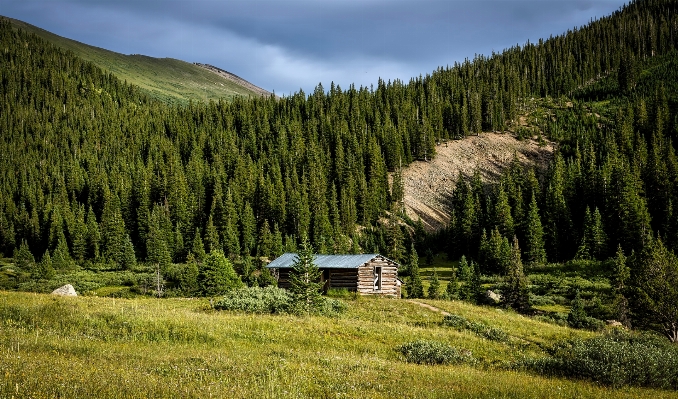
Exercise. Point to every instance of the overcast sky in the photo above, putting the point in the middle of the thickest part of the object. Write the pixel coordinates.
(285, 45)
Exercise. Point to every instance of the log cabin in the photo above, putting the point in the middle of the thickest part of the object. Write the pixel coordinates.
(368, 274)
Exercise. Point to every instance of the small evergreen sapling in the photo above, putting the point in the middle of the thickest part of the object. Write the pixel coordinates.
(434, 287)
(416, 287)
(305, 281)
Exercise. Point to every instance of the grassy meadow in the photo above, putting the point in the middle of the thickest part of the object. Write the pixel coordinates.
(167, 79)
(106, 347)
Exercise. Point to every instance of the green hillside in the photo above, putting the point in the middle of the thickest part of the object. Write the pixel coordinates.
(170, 80)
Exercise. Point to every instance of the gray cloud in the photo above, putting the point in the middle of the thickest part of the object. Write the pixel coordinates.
(290, 44)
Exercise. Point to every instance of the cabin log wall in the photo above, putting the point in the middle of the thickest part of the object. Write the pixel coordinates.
(360, 279)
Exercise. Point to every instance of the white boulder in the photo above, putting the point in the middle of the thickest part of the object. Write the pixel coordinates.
(66, 290)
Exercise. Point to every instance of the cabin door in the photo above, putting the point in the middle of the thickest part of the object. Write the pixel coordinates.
(325, 279)
(377, 278)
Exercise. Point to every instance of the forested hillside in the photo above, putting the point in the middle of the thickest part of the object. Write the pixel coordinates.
(94, 171)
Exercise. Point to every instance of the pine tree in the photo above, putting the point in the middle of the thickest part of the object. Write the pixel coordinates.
(216, 275)
(23, 258)
(396, 247)
(534, 235)
(434, 286)
(188, 279)
(452, 289)
(502, 214)
(62, 259)
(79, 235)
(112, 231)
(305, 284)
(231, 240)
(45, 269)
(577, 318)
(468, 276)
(620, 275)
(515, 290)
(128, 259)
(157, 250)
(93, 235)
(593, 242)
(198, 248)
(415, 288)
(654, 287)
(265, 244)
(249, 229)
(212, 236)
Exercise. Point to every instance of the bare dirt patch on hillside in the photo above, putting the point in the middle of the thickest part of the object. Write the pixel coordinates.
(429, 185)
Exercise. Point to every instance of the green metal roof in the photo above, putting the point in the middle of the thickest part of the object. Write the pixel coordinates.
(325, 261)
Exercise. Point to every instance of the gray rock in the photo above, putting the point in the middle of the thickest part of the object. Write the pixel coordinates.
(66, 290)
(492, 298)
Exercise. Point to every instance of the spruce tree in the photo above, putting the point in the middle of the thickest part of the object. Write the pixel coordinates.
(534, 235)
(157, 251)
(79, 235)
(188, 279)
(216, 275)
(128, 259)
(198, 248)
(45, 269)
(654, 287)
(62, 259)
(515, 291)
(620, 275)
(577, 318)
(23, 258)
(212, 236)
(93, 235)
(434, 286)
(305, 284)
(467, 275)
(112, 230)
(452, 288)
(415, 288)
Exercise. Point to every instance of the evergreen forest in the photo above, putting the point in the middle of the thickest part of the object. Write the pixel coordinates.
(98, 175)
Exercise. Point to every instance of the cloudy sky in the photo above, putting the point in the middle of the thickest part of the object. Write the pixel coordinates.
(287, 45)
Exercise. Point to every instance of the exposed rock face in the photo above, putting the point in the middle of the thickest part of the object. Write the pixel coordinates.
(66, 290)
(429, 185)
(492, 297)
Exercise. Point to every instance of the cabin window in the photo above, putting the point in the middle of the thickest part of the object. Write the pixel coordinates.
(377, 278)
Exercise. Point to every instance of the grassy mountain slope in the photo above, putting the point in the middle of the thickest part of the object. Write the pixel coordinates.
(167, 79)
(104, 347)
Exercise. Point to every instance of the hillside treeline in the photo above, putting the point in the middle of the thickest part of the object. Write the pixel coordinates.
(93, 169)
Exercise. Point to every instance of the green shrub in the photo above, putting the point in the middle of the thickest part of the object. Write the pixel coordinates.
(332, 307)
(556, 318)
(456, 321)
(272, 299)
(256, 300)
(617, 359)
(480, 329)
(433, 352)
(494, 334)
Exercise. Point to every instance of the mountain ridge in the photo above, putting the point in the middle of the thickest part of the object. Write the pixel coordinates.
(168, 79)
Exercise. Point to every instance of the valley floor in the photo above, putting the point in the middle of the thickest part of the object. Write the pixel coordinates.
(105, 347)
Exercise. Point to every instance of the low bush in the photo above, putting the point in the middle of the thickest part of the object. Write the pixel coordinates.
(272, 299)
(556, 318)
(480, 329)
(433, 352)
(616, 359)
(332, 307)
(256, 300)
